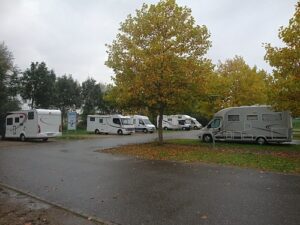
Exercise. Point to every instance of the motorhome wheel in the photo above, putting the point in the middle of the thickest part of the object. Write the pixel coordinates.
(97, 131)
(22, 137)
(120, 132)
(145, 130)
(261, 141)
(45, 139)
(207, 138)
(165, 128)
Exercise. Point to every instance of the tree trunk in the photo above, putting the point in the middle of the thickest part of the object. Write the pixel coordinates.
(62, 118)
(160, 129)
(32, 102)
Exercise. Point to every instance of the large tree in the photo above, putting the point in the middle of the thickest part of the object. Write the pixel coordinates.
(6, 65)
(233, 83)
(158, 59)
(239, 84)
(9, 80)
(92, 98)
(38, 85)
(285, 85)
(67, 94)
(8, 84)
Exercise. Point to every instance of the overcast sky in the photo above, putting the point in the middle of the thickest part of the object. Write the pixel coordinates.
(70, 35)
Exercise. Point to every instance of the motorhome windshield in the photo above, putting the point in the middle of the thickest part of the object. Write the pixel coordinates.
(147, 122)
(215, 123)
(126, 121)
(195, 122)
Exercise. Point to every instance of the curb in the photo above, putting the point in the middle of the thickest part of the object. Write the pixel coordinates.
(59, 206)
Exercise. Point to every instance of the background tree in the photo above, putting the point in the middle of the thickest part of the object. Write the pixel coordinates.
(238, 84)
(8, 84)
(158, 59)
(38, 85)
(232, 83)
(285, 85)
(206, 106)
(13, 85)
(67, 94)
(6, 65)
(110, 105)
(92, 98)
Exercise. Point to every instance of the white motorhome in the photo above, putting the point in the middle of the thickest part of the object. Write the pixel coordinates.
(195, 124)
(176, 122)
(258, 124)
(142, 123)
(33, 124)
(109, 124)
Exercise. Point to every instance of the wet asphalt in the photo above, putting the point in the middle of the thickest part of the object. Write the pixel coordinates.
(125, 190)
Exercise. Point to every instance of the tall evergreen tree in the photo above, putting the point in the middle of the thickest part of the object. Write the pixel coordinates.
(8, 85)
(38, 85)
(67, 94)
(92, 98)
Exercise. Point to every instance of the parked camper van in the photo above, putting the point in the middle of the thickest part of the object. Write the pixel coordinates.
(33, 124)
(109, 124)
(195, 124)
(142, 123)
(176, 122)
(250, 124)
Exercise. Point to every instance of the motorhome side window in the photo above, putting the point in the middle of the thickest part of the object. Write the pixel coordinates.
(181, 122)
(92, 118)
(141, 122)
(30, 115)
(9, 121)
(170, 119)
(272, 117)
(116, 121)
(233, 117)
(252, 117)
(17, 119)
(100, 120)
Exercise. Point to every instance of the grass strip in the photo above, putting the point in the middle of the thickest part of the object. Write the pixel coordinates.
(277, 158)
(76, 135)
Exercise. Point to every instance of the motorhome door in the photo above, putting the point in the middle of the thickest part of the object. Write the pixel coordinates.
(12, 125)
(215, 127)
(141, 124)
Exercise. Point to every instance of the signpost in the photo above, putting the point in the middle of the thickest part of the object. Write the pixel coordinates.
(72, 120)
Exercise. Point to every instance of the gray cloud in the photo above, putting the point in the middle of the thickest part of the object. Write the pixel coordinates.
(70, 36)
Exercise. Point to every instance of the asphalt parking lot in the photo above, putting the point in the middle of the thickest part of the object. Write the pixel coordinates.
(126, 190)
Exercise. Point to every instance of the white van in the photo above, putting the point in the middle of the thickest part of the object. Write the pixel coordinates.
(195, 124)
(249, 124)
(109, 124)
(176, 122)
(142, 123)
(33, 124)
